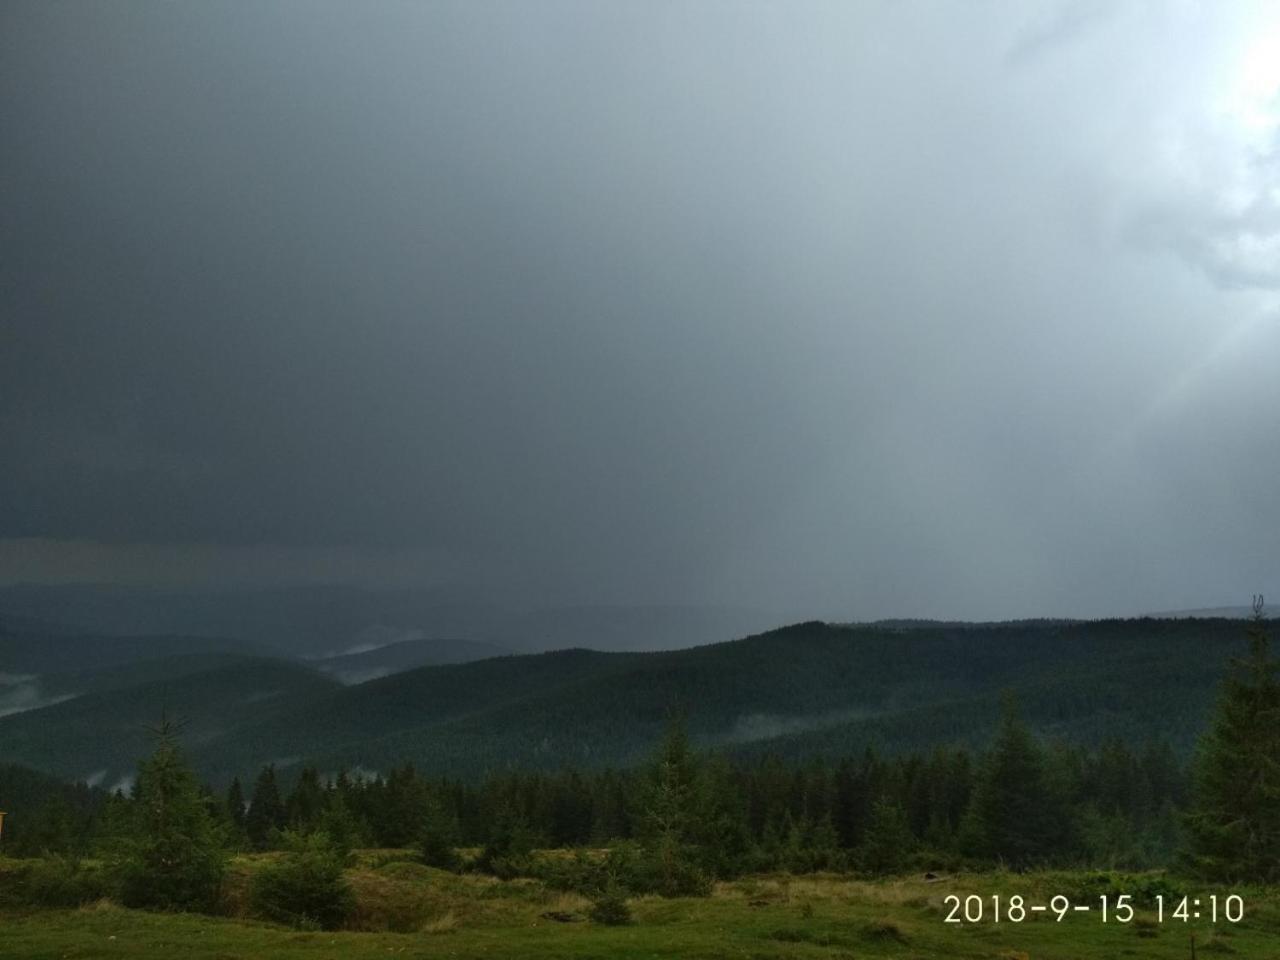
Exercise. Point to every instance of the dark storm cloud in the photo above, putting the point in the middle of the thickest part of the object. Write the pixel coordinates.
(840, 308)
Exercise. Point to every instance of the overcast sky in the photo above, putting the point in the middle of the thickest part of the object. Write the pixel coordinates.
(845, 310)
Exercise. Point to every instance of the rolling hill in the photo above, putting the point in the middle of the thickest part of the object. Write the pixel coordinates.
(99, 736)
(405, 655)
(812, 688)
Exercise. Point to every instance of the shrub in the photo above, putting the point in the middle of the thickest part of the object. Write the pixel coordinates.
(663, 870)
(65, 882)
(580, 873)
(508, 852)
(306, 887)
(610, 907)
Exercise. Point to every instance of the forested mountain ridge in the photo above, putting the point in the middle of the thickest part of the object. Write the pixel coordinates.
(804, 689)
(403, 655)
(816, 688)
(100, 735)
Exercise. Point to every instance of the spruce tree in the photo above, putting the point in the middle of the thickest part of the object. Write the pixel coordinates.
(510, 843)
(306, 888)
(235, 802)
(673, 812)
(1233, 827)
(341, 825)
(440, 835)
(266, 811)
(236, 813)
(1014, 815)
(888, 841)
(306, 802)
(171, 855)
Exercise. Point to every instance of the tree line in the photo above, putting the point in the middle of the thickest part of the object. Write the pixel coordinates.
(1021, 803)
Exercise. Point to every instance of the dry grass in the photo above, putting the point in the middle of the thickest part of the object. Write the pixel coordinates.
(445, 924)
(567, 903)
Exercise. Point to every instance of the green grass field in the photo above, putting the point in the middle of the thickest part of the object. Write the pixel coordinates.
(407, 910)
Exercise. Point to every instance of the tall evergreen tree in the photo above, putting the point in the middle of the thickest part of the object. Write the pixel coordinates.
(339, 823)
(172, 855)
(236, 809)
(671, 812)
(887, 841)
(235, 802)
(306, 802)
(266, 810)
(440, 836)
(1233, 827)
(1014, 814)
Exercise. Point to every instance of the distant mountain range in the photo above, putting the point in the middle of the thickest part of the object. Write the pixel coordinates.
(805, 690)
(323, 621)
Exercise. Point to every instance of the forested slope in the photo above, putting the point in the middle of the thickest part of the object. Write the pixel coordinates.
(805, 689)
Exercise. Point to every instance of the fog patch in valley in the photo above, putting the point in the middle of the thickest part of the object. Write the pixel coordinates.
(20, 692)
(375, 637)
(752, 727)
(351, 678)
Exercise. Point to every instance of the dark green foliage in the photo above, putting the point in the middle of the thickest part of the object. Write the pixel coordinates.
(509, 844)
(170, 855)
(306, 887)
(266, 811)
(59, 881)
(440, 836)
(1017, 814)
(686, 818)
(887, 843)
(235, 816)
(403, 808)
(339, 823)
(306, 800)
(44, 814)
(53, 827)
(1233, 827)
(236, 804)
(675, 813)
(609, 907)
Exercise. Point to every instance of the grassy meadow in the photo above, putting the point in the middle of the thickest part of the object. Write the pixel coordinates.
(407, 910)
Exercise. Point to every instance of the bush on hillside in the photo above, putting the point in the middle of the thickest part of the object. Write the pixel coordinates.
(305, 888)
(610, 907)
(65, 882)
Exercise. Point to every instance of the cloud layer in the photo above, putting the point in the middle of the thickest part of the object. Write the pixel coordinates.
(851, 310)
